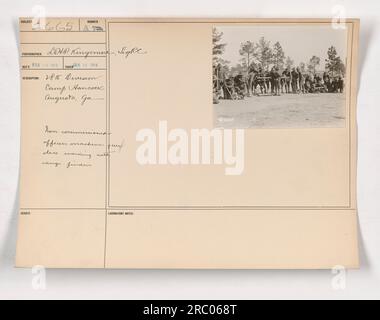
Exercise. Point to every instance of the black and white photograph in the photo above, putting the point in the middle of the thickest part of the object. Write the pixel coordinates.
(279, 76)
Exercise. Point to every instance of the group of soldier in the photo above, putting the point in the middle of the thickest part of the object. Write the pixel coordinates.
(272, 82)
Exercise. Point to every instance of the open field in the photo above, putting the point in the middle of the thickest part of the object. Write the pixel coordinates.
(285, 111)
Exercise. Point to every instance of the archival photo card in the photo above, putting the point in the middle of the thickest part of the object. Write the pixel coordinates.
(280, 76)
(188, 143)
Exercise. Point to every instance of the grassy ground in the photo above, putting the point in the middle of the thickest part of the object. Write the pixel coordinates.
(286, 111)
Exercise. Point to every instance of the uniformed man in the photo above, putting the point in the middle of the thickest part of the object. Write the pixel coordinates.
(301, 81)
(307, 84)
(275, 80)
(340, 84)
(295, 79)
(286, 77)
(327, 81)
(271, 80)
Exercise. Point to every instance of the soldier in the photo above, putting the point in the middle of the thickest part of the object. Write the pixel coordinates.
(301, 81)
(275, 80)
(318, 83)
(282, 83)
(313, 84)
(286, 74)
(340, 84)
(326, 78)
(307, 84)
(271, 79)
(318, 80)
(295, 79)
(327, 81)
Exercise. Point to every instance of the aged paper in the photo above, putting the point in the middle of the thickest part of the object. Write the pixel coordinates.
(188, 143)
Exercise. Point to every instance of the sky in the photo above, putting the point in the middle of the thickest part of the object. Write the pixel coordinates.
(298, 42)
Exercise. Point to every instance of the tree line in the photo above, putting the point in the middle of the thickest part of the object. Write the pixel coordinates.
(262, 53)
